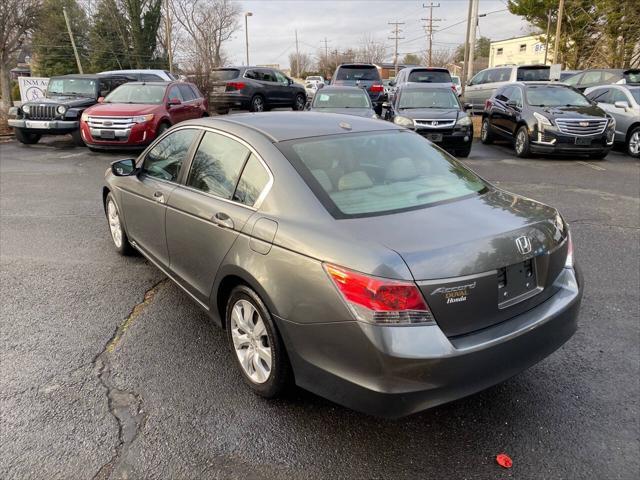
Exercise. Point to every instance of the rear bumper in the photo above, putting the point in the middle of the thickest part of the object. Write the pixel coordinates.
(230, 100)
(396, 371)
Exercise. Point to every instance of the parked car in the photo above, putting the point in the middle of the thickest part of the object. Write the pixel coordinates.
(145, 75)
(456, 83)
(255, 89)
(134, 114)
(564, 74)
(386, 84)
(59, 112)
(311, 88)
(432, 75)
(547, 118)
(363, 75)
(435, 113)
(622, 102)
(346, 100)
(349, 255)
(317, 79)
(603, 76)
(485, 83)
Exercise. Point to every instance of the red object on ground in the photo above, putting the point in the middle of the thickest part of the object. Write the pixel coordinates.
(504, 460)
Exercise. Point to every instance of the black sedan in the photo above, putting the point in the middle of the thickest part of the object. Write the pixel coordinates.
(434, 113)
(547, 118)
(346, 100)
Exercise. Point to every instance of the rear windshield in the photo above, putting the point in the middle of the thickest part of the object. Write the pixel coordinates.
(326, 99)
(358, 72)
(555, 96)
(429, 76)
(632, 76)
(442, 98)
(533, 74)
(377, 173)
(223, 74)
(137, 93)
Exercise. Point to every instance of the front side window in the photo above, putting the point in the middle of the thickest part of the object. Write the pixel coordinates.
(217, 164)
(281, 78)
(174, 94)
(186, 92)
(618, 96)
(166, 157)
(441, 98)
(516, 96)
(479, 78)
(341, 100)
(136, 93)
(366, 174)
(591, 77)
(555, 96)
(252, 182)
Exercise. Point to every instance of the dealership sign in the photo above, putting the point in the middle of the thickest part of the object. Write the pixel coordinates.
(32, 88)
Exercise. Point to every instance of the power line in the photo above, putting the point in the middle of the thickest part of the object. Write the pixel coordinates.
(396, 32)
(429, 27)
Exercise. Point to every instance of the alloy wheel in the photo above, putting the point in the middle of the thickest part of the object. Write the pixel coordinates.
(258, 104)
(251, 341)
(634, 143)
(484, 132)
(114, 223)
(520, 141)
(300, 102)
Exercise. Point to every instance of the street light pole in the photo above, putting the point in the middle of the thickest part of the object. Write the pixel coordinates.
(246, 33)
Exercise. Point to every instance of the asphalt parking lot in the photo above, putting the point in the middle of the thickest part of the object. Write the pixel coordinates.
(108, 370)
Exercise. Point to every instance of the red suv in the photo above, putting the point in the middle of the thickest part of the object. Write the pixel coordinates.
(135, 113)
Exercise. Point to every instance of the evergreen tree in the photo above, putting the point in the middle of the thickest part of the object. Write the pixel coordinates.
(109, 44)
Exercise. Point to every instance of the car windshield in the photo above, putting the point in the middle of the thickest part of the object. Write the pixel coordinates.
(224, 74)
(533, 74)
(137, 93)
(555, 96)
(376, 173)
(429, 76)
(72, 86)
(341, 100)
(443, 98)
(356, 73)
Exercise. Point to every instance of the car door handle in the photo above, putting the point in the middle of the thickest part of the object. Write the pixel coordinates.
(158, 197)
(222, 220)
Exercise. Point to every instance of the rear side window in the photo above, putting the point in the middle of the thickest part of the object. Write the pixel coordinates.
(251, 74)
(217, 164)
(196, 92)
(252, 182)
(366, 174)
(186, 92)
(222, 74)
(429, 76)
(479, 78)
(174, 93)
(532, 74)
(165, 158)
(591, 77)
(150, 77)
(358, 72)
(574, 80)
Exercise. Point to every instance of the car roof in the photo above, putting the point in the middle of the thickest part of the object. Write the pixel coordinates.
(356, 64)
(156, 82)
(428, 69)
(341, 88)
(88, 76)
(426, 86)
(539, 83)
(282, 126)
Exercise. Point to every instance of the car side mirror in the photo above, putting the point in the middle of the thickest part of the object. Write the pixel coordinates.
(100, 99)
(622, 104)
(174, 102)
(467, 106)
(512, 103)
(124, 168)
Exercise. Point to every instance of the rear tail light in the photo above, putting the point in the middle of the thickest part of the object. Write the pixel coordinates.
(569, 261)
(376, 88)
(487, 104)
(380, 301)
(231, 86)
(453, 87)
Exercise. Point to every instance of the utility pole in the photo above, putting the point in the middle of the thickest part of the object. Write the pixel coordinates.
(558, 31)
(73, 43)
(429, 27)
(396, 32)
(326, 57)
(246, 33)
(546, 47)
(168, 28)
(297, 57)
(472, 37)
(466, 48)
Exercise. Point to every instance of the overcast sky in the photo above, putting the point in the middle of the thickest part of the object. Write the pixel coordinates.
(344, 23)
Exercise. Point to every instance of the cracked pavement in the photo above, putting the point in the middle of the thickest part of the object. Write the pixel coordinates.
(109, 371)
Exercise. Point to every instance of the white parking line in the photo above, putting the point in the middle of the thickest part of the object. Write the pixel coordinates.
(71, 155)
(591, 165)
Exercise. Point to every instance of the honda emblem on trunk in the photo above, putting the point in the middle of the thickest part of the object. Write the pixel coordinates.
(524, 244)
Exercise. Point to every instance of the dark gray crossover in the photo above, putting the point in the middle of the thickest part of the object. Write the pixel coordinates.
(349, 256)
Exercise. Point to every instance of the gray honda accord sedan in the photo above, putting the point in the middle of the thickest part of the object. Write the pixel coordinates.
(349, 256)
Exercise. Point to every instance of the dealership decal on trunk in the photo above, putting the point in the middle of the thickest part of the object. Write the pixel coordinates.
(455, 294)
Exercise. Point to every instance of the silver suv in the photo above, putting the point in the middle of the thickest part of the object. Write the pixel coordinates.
(622, 102)
(484, 84)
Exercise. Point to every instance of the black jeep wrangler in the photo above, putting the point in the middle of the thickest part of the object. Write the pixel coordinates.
(60, 111)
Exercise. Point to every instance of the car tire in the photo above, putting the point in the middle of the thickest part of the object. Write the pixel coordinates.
(486, 136)
(257, 104)
(599, 155)
(633, 143)
(222, 111)
(463, 153)
(522, 144)
(77, 138)
(299, 103)
(163, 127)
(256, 343)
(118, 235)
(27, 138)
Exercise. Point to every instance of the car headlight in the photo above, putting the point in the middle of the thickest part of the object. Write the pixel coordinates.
(142, 118)
(26, 108)
(464, 121)
(559, 222)
(403, 121)
(542, 120)
(612, 123)
(569, 262)
(61, 109)
(84, 117)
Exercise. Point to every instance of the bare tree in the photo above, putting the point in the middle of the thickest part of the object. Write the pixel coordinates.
(299, 63)
(371, 50)
(17, 20)
(441, 57)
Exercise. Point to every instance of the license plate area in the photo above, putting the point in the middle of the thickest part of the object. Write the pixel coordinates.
(219, 88)
(434, 137)
(583, 141)
(517, 283)
(36, 124)
(107, 134)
